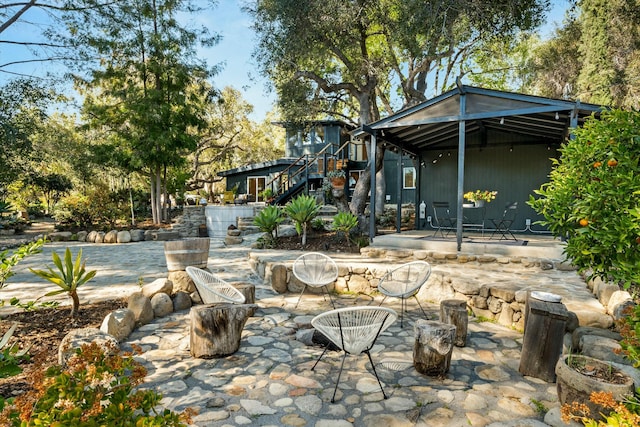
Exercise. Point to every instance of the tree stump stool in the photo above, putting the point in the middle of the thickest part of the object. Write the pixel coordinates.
(454, 312)
(433, 347)
(216, 329)
(249, 292)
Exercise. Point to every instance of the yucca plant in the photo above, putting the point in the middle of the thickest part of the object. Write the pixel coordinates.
(69, 277)
(302, 210)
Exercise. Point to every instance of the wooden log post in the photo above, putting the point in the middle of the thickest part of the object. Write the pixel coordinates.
(543, 339)
(249, 292)
(454, 312)
(216, 329)
(433, 347)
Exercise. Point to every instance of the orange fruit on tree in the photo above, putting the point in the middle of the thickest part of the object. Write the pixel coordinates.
(584, 222)
(612, 162)
(597, 164)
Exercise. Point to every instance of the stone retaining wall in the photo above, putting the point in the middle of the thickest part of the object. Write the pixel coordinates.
(486, 283)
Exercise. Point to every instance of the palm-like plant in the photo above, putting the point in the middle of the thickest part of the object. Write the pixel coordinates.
(268, 219)
(344, 222)
(302, 210)
(69, 277)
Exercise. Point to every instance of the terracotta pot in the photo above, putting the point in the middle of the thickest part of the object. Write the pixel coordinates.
(338, 182)
(574, 386)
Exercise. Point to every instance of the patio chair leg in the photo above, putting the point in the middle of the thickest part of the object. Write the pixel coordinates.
(403, 308)
(323, 352)
(376, 373)
(420, 305)
(383, 300)
(326, 289)
(333, 399)
(300, 297)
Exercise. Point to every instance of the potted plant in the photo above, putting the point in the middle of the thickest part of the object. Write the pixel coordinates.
(338, 177)
(480, 197)
(577, 376)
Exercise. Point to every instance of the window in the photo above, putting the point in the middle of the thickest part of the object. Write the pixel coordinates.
(409, 177)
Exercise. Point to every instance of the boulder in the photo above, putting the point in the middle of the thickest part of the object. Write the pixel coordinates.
(141, 307)
(602, 348)
(77, 337)
(123, 236)
(111, 237)
(119, 324)
(81, 236)
(279, 278)
(164, 286)
(137, 235)
(91, 237)
(181, 301)
(99, 237)
(578, 333)
(181, 282)
(162, 305)
(60, 236)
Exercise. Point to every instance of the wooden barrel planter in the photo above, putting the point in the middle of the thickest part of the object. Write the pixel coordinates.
(186, 252)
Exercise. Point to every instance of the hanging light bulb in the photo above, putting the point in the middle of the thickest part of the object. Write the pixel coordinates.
(557, 116)
(501, 120)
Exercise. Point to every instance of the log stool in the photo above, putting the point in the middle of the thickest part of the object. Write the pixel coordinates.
(454, 312)
(216, 329)
(433, 347)
(249, 292)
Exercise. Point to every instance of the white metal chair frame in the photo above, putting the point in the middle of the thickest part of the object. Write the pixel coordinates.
(354, 330)
(317, 270)
(503, 225)
(405, 282)
(213, 289)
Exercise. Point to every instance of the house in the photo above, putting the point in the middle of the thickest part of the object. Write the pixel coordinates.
(472, 138)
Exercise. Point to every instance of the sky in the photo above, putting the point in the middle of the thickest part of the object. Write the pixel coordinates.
(234, 50)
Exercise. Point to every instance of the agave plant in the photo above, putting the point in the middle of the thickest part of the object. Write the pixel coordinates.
(344, 222)
(302, 210)
(268, 219)
(69, 277)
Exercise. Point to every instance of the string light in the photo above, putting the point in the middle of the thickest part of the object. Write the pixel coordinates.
(557, 116)
(501, 120)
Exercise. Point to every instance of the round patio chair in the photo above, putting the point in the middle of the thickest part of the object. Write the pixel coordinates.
(354, 330)
(405, 282)
(213, 289)
(316, 270)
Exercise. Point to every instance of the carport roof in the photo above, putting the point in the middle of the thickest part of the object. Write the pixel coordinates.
(434, 124)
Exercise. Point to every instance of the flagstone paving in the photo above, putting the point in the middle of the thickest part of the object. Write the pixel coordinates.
(269, 381)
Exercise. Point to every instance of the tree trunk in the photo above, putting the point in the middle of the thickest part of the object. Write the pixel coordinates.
(216, 329)
(433, 347)
(454, 312)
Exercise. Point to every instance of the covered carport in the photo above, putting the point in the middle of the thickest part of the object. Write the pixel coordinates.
(468, 117)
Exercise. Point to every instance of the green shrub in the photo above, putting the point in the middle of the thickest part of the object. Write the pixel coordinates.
(344, 222)
(268, 220)
(302, 210)
(96, 389)
(75, 211)
(317, 224)
(9, 259)
(593, 197)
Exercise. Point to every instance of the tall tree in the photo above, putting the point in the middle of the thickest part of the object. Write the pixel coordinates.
(144, 83)
(353, 59)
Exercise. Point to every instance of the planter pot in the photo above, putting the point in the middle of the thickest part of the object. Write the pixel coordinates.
(338, 182)
(574, 386)
(180, 254)
(479, 203)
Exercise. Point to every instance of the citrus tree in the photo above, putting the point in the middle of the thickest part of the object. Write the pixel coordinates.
(593, 197)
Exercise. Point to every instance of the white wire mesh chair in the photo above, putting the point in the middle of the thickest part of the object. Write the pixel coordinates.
(316, 270)
(213, 289)
(354, 330)
(405, 282)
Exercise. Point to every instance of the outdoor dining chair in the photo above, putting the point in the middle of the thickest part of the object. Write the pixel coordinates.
(354, 330)
(444, 220)
(316, 270)
(213, 289)
(503, 225)
(405, 282)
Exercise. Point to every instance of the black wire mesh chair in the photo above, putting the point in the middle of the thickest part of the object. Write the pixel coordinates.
(503, 225)
(444, 220)
(354, 330)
